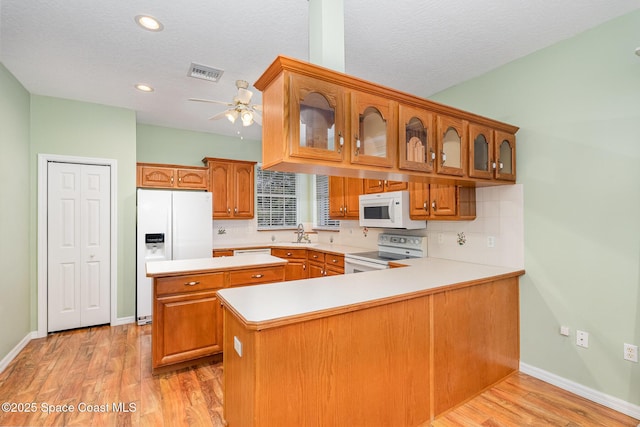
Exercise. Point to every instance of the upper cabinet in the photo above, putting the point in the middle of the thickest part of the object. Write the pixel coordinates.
(415, 139)
(319, 121)
(383, 185)
(232, 185)
(152, 175)
(373, 124)
(452, 146)
(492, 154)
(344, 197)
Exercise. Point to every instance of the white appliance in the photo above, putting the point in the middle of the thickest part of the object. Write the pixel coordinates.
(171, 225)
(391, 247)
(387, 210)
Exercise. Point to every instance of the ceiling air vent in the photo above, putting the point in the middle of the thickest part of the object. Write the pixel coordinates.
(205, 73)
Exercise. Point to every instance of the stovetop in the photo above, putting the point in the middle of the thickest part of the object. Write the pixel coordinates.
(393, 247)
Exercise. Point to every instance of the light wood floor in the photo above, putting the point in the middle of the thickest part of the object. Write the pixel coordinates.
(104, 366)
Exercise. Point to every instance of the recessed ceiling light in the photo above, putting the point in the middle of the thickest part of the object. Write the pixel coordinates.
(144, 88)
(149, 23)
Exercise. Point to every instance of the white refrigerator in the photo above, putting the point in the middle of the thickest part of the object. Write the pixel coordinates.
(170, 225)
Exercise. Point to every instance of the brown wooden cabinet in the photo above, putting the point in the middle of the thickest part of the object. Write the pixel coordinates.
(324, 263)
(222, 252)
(296, 267)
(187, 318)
(313, 116)
(232, 184)
(383, 185)
(344, 196)
(374, 130)
(151, 175)
(443, 202)
(492, 154)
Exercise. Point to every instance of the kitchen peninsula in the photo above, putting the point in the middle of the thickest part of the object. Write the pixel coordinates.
(187, 317)
(390, 347)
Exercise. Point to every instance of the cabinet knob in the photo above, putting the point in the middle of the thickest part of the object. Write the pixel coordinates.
(500, 165)
(493, 165)
(180, 179)
(235, 210)
(304, 265)
(257, 276)
(432, 156)
(192, 283)
(334, 260)
(172, 179)
(288, 253)
(228, 210)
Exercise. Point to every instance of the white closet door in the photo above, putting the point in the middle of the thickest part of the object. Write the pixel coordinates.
(78, 245)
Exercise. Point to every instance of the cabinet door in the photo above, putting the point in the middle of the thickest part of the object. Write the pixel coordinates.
(186, 327)
(505, 155)
(481, 151)
(373, 186)
(221, 189)
(295, 269)
(316, 270)
(156, 177)
(443, 200)
(317, 119)
(373, 125)
(395, 185)
(243, 190)
(415, 138)
(197, 179)
(419, 200)
(452, 146)
(353, 190)
(336, 197)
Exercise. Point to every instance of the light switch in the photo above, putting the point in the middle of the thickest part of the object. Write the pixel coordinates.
(237, 346)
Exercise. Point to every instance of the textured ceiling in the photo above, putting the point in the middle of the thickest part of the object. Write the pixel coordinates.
(93, 51)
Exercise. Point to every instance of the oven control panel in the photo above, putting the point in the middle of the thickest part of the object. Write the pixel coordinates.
(402, 241)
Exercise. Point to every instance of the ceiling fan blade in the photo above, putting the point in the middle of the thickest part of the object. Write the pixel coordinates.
(257, 118)
(218, 116)
(211, 101)
(244, 95)
(256, 107)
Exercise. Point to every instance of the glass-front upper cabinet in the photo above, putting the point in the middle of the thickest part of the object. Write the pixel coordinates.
(451, 146)
(481, 151)
(317, 119)
(373, 125)
(415, 137)
(505, 155)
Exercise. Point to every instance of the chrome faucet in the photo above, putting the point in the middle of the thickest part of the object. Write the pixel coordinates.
(300, 232)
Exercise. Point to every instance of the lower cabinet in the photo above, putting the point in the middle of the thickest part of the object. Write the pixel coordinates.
(187, 315)
(296, 267)
(324, 263)
(187, 318)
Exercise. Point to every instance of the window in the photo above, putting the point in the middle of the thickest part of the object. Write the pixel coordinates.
(277, 199)
(322, 204)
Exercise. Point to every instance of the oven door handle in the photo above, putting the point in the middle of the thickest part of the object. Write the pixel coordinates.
(366, 264)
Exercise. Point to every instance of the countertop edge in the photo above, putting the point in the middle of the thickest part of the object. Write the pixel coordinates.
(302, 317)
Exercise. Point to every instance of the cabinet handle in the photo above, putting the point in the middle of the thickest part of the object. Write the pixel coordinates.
(192, 283)
(257, 276)
(172, 179)
(493, 165)
(340, 142)
(433, 206)
(288, 253)
(228, 210)
(432, 156)
(444, 157)
(315, 256)
(180, 179)
(424, 206)
(334, 260)
(500, 165)
(235, 210)
(357, 145)
(341, 209)
(304, 265)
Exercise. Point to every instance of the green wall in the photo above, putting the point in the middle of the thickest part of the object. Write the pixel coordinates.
(156, 144)
(578, 156)
(73, 128)
(14, 213)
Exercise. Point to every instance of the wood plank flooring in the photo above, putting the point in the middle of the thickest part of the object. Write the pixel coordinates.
(103, 366)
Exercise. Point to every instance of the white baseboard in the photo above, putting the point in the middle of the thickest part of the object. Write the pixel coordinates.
(17, 349)
(612, 402)
(123, 320)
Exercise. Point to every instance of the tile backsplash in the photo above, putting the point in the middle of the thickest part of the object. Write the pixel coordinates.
(495, 237)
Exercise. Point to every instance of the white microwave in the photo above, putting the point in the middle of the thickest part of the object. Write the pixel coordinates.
(387, 210)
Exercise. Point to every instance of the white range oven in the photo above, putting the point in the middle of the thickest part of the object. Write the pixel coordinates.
(391, 247)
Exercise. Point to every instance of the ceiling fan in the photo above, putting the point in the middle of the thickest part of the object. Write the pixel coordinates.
(240, 106)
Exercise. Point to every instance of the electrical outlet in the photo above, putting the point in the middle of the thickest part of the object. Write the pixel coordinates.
(491, 242)
(631, 352)
(582, 339)
(564, 330)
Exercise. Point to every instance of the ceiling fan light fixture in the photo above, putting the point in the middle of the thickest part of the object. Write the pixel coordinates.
(231, 115)
(144, 87)
(247, 118)
(149, 23)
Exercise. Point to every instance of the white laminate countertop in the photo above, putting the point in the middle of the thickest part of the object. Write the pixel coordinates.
(210, 265)
(265, 303)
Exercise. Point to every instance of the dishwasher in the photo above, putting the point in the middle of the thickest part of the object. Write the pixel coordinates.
(266, 251)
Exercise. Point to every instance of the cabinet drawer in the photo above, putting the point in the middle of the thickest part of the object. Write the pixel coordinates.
(334, 260)
(315, 256)
(254, 276)
(189, 283)
(289, 253)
